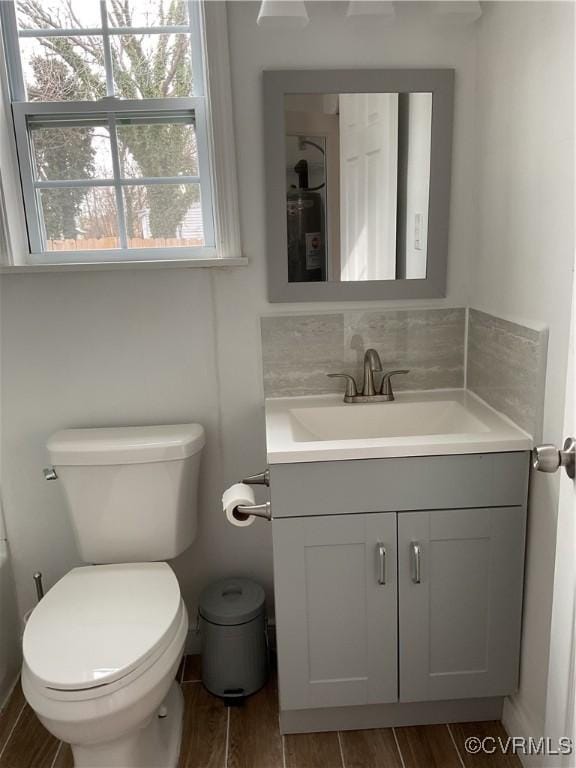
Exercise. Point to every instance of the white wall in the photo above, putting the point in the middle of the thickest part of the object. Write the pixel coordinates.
(523, 268)
(9, 620)
(156, 346)
(10, 656)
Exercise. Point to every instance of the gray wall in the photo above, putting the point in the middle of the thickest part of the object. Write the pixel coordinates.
(153, 346)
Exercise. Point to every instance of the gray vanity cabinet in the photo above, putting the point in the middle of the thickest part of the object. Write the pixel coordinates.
(336, 609)
(460, 606)
(396, 606)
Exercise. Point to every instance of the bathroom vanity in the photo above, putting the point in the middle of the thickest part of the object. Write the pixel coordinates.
(398, 559)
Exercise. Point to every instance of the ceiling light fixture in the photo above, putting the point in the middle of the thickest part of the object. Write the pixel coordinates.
(381, 8)
(459, 11)
(283, 13)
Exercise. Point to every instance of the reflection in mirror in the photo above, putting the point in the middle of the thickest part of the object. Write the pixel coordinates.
(357, 185)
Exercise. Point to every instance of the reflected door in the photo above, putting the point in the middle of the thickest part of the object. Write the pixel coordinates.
(369, 184)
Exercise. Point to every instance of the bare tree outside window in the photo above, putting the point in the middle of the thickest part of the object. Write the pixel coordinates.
(145, 65)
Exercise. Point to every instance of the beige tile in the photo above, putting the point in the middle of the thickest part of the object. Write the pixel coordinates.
(427, 342)
(299, 350)
(506, 367)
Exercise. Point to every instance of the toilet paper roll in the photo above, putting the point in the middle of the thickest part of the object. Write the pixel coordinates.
(239, 493)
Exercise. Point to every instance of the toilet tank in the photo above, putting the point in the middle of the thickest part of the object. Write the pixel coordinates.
(132, 492)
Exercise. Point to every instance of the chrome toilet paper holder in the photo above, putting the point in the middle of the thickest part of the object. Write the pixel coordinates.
(262, 478)
(257, 510)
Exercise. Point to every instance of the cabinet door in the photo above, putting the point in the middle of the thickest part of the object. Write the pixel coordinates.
(460, 592)
(336, 610)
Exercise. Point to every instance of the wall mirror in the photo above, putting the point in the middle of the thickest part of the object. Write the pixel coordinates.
(358, 183)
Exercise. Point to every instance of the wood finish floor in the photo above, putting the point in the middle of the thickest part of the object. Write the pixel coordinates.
(248, 737)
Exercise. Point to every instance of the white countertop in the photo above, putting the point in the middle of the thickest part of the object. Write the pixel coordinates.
(455, 421)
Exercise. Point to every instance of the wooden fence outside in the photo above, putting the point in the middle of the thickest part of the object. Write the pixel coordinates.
(100, 243)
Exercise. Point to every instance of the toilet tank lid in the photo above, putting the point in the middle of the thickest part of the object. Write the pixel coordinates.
(125, 445)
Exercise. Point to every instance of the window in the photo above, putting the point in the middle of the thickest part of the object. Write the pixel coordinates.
(114, 129)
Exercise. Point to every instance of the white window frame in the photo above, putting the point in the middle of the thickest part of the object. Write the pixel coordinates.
(212, 107)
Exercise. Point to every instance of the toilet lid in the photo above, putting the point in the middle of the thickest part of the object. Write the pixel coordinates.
(98, 623)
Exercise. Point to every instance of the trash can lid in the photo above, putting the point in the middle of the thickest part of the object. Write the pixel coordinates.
(231, 601)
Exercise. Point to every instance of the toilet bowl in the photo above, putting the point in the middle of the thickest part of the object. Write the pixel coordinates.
(101, 651)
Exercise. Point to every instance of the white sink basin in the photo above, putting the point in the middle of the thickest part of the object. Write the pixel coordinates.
(396, 419)
(324, 428)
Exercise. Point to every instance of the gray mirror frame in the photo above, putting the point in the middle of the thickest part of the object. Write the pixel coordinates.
(278, 83)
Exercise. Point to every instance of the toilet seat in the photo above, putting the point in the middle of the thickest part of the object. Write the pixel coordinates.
(100, 627)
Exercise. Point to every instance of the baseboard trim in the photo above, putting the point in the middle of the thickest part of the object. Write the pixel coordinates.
(390, 715)
(8, 691)
(517, 723)
(192, 644)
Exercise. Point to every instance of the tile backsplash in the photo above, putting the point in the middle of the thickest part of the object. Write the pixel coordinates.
(506, 367)
(504, 363)
(299, 350)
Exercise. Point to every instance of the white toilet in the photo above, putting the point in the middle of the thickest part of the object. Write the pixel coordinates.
(102, 648)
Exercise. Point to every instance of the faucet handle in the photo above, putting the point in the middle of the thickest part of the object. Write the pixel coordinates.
(351, 390)
(386, 386)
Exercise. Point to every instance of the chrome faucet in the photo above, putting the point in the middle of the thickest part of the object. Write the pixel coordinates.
(372, 365)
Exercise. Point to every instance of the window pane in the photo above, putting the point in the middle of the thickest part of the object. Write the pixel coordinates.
(147, 13)
(163, 216)
(152, 66)
(63, 68)
(72, 153)
(157, 148)
(80, 218)
(58, 14)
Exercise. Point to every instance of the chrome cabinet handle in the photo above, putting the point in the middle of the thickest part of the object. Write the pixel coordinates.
(416, 558)
(381, 552)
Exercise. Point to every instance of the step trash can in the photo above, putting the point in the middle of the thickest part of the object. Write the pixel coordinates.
(233, 633)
